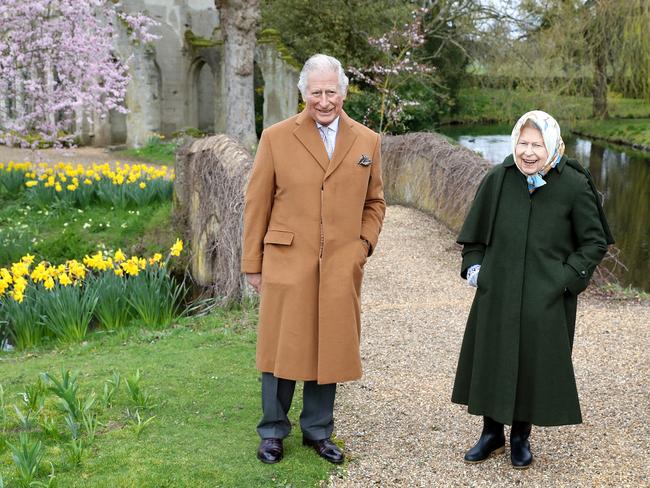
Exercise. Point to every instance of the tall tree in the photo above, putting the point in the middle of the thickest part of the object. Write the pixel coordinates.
(554, 40)
(339, 28)
(240, 21)
(56, 60)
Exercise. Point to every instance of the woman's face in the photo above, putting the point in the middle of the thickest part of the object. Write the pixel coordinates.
(531, 153)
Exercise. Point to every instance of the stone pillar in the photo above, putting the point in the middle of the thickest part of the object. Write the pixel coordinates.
(142, 100)
(280, 84)
(220, 92)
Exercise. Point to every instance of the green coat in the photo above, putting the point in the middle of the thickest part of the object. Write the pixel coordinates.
(537, 253)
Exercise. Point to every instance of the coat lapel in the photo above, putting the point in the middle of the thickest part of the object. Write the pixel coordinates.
(307, 133)
(345, 138)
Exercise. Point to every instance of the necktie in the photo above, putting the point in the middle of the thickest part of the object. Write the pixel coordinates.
(328, 140)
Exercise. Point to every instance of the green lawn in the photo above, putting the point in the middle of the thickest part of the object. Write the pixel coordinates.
(155, 151)
(477, 105)
(635, 131)
(206, 393)
(65, 232)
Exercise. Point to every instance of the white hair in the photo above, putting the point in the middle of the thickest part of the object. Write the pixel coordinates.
(322, 62)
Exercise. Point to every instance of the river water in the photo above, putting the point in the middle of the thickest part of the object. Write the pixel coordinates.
(621, 174)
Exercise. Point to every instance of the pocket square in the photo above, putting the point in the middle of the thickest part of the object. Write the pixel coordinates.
(365, 160)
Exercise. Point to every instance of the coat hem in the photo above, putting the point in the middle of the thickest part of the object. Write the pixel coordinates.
(320, 381)
(498, 418)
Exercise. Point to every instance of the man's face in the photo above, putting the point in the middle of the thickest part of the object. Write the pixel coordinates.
(324, 98)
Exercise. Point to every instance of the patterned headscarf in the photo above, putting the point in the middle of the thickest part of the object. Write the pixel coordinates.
(552, 140)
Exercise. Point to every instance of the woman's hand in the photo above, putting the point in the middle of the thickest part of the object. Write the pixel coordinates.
(472, 275)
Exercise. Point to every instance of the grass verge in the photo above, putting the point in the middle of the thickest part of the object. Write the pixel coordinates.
(206, 397)
(635, 132)
(483, 105)
(155, 151)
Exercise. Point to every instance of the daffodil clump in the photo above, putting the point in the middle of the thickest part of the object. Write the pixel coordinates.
(12, 175)
(108, 290)
(120, 185)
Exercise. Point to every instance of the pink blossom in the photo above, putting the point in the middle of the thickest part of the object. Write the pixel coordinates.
(395, 67)
(56, 57)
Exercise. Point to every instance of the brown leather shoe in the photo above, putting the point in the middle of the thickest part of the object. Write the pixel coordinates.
(325, 449)
(270, 451)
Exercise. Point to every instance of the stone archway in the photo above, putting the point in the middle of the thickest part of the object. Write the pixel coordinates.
(205, 92)
(117, 123)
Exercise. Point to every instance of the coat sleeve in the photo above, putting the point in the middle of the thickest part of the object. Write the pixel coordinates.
(477, 229)
(590, 239)
(472, 254)
(257, 207)
(374, 207)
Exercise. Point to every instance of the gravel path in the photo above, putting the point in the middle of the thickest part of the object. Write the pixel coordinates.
(83, 155)
(399, 426)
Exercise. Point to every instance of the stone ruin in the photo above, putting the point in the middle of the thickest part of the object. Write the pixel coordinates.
(178, 80)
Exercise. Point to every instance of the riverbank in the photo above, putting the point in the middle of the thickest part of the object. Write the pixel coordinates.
(629, 132)
(629, 124)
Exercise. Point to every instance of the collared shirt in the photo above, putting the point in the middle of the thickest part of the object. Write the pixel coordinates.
(332, 131)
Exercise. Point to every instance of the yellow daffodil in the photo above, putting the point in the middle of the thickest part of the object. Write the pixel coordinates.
(6, 275)
(20, 269)
(65, 280)
(76, 269)
(20, 283)
(177, 248)
(130, 268)
(49, 283)
(119, 256)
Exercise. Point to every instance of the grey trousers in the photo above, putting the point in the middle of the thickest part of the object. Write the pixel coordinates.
(316, 419)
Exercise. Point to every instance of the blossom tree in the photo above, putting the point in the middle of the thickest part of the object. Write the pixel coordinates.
(57, 60)
(395, 66)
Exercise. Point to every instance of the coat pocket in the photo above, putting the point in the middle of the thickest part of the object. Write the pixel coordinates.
(282, 237)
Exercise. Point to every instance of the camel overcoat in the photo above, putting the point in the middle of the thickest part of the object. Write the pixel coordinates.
(537, 253)
(305, 222)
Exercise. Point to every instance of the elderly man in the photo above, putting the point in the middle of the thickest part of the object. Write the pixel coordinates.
(314, 210)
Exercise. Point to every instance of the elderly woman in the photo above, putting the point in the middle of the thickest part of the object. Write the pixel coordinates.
(531, 241)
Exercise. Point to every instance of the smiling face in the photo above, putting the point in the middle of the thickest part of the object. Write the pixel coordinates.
(324, 99)
(530, 152)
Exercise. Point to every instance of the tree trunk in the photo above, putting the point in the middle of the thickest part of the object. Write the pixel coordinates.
(240, 20)
(600, 82)
(599, 37)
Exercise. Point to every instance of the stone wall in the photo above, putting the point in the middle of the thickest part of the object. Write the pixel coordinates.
(427, 172)
(211, 175)
(280, 73)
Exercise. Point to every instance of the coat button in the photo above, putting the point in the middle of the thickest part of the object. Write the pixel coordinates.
(583, 272)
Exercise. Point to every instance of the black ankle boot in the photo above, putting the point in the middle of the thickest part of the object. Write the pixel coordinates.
(520, 454)
(492, 441)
